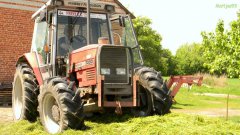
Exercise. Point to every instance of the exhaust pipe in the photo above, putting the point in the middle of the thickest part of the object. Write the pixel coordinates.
(88, 23)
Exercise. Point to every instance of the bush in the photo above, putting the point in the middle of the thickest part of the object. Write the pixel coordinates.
(213, 80)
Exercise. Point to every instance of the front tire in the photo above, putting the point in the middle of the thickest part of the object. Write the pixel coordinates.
(154, 96)
(24, 94)
(60, 107)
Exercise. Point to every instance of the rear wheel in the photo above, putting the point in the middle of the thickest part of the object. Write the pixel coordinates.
(24, 94)
(153, 93)
(60, 107)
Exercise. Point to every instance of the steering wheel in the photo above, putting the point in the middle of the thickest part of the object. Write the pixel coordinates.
(78, 41)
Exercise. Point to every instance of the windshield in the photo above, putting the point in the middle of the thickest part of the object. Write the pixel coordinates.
(72, 30)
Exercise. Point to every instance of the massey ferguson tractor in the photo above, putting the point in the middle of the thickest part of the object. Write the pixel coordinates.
(84, 58)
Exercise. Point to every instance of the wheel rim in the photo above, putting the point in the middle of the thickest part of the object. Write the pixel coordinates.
(51, 114)
(18, 98)
(144, 108)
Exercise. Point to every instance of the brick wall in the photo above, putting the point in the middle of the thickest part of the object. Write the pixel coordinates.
(16, 28)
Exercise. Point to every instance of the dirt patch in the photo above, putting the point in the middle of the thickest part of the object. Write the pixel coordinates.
(6, 114)
(217, 95)
(212, 102)
(210, 112)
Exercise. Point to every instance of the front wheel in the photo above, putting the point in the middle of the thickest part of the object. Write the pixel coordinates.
(153, 94)
(60, 107)
(145, 108)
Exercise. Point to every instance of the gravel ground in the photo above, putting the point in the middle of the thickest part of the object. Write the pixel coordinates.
(218, 112)
(6, 114)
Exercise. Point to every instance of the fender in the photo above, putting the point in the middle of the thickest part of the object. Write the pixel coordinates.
(31, 60)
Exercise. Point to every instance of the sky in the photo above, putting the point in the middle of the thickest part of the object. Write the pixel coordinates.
(182, 21)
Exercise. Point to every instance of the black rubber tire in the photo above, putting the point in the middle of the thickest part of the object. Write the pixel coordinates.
(69, 104)
(145, 108)
(25, 90)
(158, 96)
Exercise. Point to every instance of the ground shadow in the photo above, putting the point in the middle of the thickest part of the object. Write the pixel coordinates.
(177, 107)
(174, 107)
(110, 117)
(6, 107)
(184, 104)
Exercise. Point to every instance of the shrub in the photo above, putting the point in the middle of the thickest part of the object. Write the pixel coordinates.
(213, 80)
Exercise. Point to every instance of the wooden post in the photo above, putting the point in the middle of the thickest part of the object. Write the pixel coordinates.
(227, 107)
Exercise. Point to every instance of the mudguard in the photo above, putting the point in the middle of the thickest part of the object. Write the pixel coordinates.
(31, 60)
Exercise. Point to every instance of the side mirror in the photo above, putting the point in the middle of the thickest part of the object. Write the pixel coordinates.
(46, 49)
(50, 18)
(121, 21)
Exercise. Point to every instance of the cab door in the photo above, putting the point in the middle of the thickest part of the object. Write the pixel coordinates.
(40, 45)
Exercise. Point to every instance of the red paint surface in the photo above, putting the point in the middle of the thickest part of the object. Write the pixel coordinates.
(32, 60)
(86, 73)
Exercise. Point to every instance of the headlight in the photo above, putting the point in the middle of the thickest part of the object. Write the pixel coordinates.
(105, 71)
(120, 71)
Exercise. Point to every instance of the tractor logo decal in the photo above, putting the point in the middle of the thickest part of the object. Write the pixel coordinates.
(80, 65)
(80, 14)
(69, 13)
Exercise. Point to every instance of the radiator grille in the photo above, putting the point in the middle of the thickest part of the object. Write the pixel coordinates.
(114, 57)
(90, 75)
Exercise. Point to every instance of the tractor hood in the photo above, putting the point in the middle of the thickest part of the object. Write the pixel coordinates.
(85, 57)
(88, 61)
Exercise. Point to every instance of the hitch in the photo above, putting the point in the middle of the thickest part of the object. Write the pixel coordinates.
(118, 109)
(179, 80)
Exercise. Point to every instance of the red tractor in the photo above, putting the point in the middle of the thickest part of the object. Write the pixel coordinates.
(84, 58)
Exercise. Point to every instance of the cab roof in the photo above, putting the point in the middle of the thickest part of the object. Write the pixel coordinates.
(98, 5)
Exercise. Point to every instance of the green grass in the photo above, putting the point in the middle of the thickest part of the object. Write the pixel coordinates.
(232, 87)
(166, 77)
(170, 124)
(235, 119)
(188, 99)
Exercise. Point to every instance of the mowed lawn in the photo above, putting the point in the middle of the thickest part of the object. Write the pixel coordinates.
(196, 97)
(211, 100)
(170, 124)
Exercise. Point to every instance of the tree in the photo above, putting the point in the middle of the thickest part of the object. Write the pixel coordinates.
(150, 42)
(189, 59)
(222, 49)
(170, 61)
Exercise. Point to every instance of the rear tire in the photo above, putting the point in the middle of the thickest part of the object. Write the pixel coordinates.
(24, 94)
(60, 107)
(155, 98)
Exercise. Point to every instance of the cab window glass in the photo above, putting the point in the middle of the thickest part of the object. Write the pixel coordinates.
(72, 30)
(124, 35)
(40, 39)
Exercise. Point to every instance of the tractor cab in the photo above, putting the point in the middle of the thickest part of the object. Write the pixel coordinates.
(62, 27)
